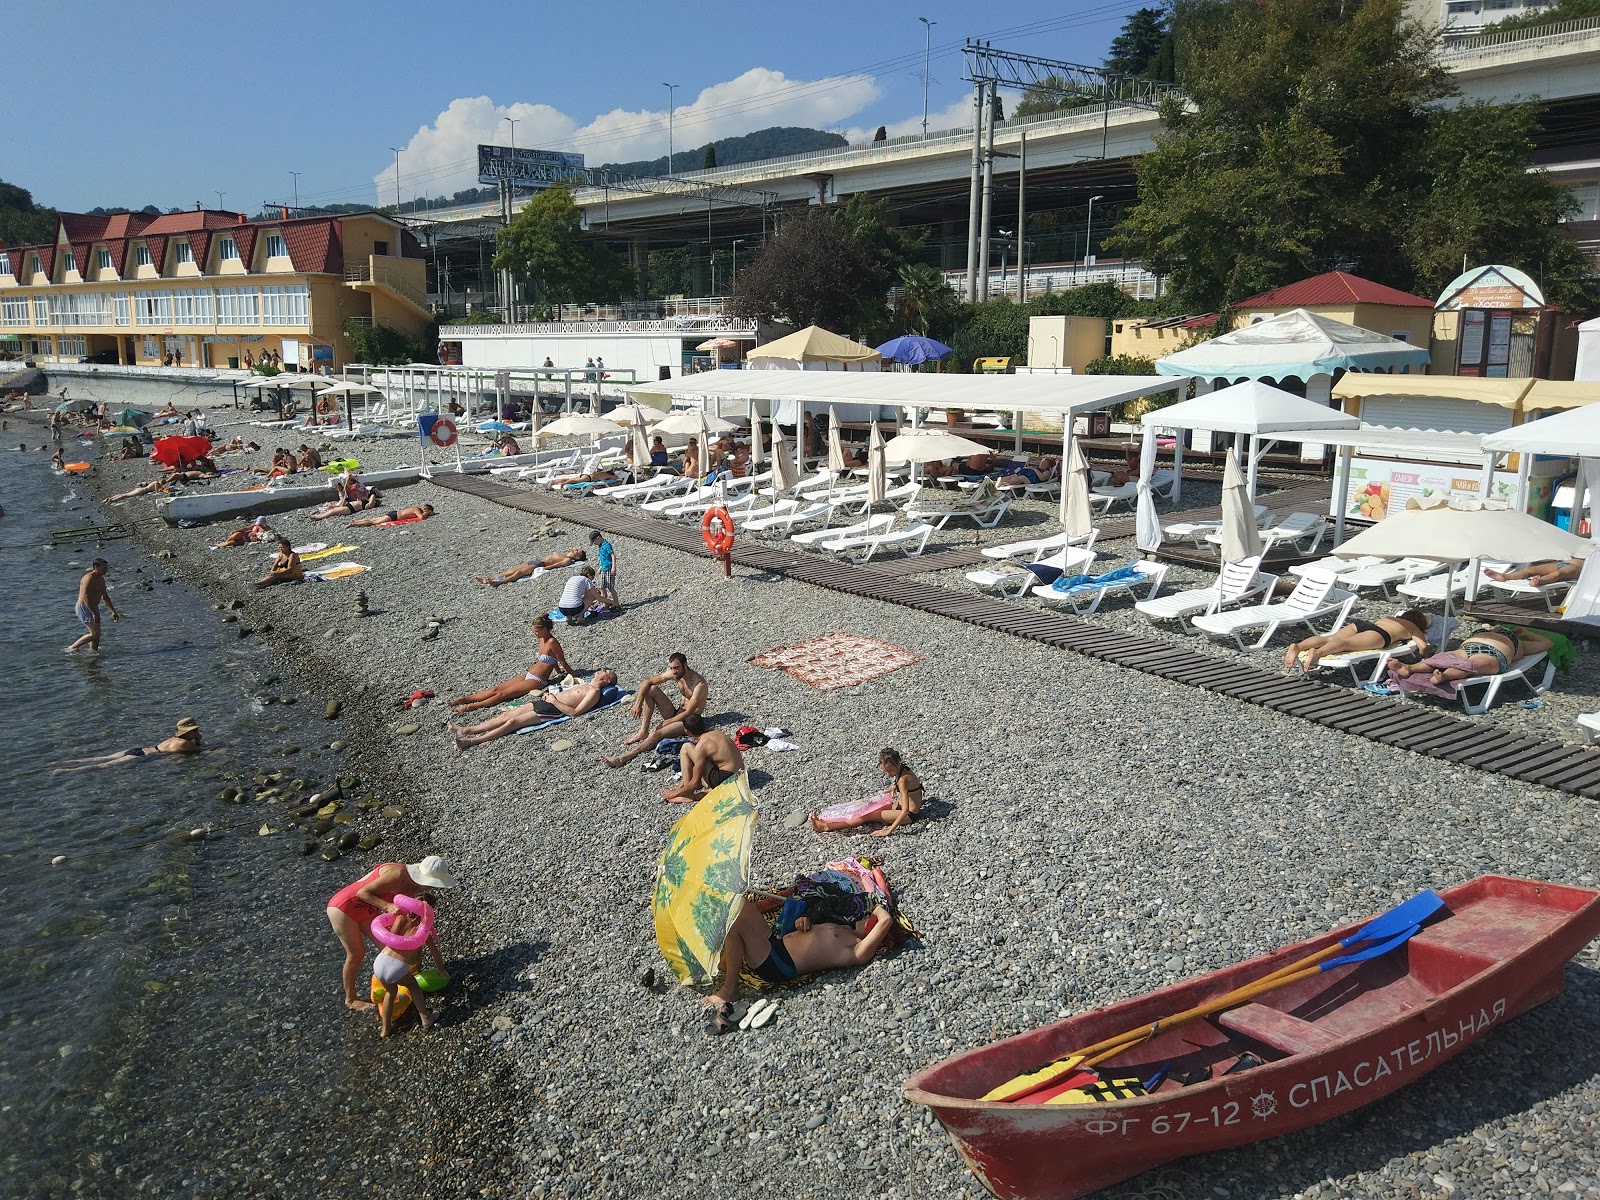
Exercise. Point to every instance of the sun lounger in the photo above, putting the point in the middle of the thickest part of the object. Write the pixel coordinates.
(1431, 589)
(1102, 498)
(1366, 666)
(1236, 583)
(1339, 566)
(872, 525)
(1390, 574)
(1590, 724)
(1196, 532)
(1522, 671)
(783, 515)
(985, 507)
(1039, 547)
(1520, 589)
(1013, 580)
(621, 492)
(667, 505)
(1313, 598)
(910, 539)
(1086, 597)
(1303, 530)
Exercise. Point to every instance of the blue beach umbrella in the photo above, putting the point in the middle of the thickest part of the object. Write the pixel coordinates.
(913, 349)
(494, 427)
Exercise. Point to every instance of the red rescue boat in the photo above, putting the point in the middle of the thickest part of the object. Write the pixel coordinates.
(1300, 1055)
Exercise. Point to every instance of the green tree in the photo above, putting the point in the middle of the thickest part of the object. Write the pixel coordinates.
(22, 222)
(882, 135)
(546, 246)
(891, 247)
(1314, 138)
(815, 271)
(1137, 50)
(669, 272)
(384, 345)
(925, 299)
(992, 329)
(710, 159)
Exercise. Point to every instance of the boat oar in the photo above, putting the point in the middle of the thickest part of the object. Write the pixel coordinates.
(1244, 995)
(1398, 924)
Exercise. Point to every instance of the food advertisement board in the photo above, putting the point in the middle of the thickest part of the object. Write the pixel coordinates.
(1380, 486)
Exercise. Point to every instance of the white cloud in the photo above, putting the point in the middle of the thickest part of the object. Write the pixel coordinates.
(441, 158)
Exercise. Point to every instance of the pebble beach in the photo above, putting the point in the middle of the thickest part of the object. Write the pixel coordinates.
(1094, 833)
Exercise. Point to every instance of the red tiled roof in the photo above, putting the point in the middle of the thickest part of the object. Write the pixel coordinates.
(78, 226)
(82, 253)
(1334, 287)
(158, 250)
(200, 243)
(245, 236)
(47, 260)
(123, 224)
(1205, 321)
(314, 246)
(119, 254)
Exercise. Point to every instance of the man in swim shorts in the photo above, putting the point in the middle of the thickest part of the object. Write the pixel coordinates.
(92, 592)
(570, 702)
(707, 761)
(525, 570)
(653, 701)
(755, 946)
(394, 516)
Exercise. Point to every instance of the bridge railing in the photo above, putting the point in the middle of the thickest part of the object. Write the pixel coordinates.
(1552, 34)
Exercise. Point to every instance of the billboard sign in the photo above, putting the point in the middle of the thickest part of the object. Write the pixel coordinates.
(529, 168)
(1493, 286)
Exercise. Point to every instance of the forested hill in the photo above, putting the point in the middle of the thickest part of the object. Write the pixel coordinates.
(751, 147)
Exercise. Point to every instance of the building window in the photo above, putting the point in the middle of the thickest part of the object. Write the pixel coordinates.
(14, 310)
(142, 255)
(184, 251)
(238, 306)
(286, 305)
(81, 308)
(153, 308)
(5, 264)
(228, 250)
(71, 348)
(120, 306)
(37, 266)
(103, 257)
(191, 307)
(68, 262)
(41, 311)
(275, 246)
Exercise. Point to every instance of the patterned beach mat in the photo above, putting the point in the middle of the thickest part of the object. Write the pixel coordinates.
(831, 661)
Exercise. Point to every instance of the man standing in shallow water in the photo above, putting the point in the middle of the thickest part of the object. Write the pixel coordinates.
(91, 592)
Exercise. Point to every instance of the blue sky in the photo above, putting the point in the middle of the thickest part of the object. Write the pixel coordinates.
(112, 103)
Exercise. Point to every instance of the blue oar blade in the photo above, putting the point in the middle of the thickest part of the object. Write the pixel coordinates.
(1367, 952)
(1413, 912)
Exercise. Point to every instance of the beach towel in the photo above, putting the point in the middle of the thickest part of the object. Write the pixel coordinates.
(323, 550)
(1076, 583)
(337, 571)
(313, 547)
(1422, 681)
(604, 704)
(1562, 652)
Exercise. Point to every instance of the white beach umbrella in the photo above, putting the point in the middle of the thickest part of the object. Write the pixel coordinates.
(1147, 534)
(688, 421)
(627, 414)
(351, 389)
(784, 476)
(579, 425)
(835, 446)
(877, 468)
(1076, 517)
(641, 441)
(703, 434)
(929, 445)
(1241, 538)
(303, 383)
(758, 452)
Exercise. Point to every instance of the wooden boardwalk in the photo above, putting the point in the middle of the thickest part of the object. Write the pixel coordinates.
(1421, 729)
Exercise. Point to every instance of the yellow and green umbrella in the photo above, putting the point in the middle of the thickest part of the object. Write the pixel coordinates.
(701, 879)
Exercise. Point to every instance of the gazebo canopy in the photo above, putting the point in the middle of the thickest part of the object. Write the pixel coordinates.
(814, 344)
(1250, 408)
(1296, 343)
(1574, 433)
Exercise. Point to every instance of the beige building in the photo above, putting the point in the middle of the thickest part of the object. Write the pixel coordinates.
(209, 289)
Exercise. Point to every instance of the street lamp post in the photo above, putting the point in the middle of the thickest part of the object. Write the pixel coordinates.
(1088, 230)
(296, 175)
(220, 195)
(927, 47)
(671, 88)
(734, 274)
(396, 150)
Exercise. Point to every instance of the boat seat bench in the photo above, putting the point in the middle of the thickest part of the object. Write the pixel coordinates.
(1276, 1029)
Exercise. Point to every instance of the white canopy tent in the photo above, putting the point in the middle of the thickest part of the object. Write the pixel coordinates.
(1297, 343)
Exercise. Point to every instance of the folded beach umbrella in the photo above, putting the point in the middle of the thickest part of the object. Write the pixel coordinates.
(641, 440)
(701, 880)
(1147, 526)
(758, 452)
(835, 447)
(1076, 516)
(877, 468)
(1241, 538)
(702, 442)
(137, 417)
(784, 477)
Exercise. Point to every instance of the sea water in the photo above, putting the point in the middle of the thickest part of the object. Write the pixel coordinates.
(105, 951)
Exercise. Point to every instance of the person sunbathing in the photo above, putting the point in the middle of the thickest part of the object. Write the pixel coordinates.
(233, 446)
(535, 679)
(353, 499)
(395, 516)
(754, 946)
(310, 459)
(566, 481)
(653, 701)
(286, 567)
(1386, 633)
(185, 741)
(155, 486)
(896, 806)
(1542, 573)
(1041, 469)
(257, 531)
(707, 761)
(554, 706)
(528, 570)
(282, 464)
(1488, 650)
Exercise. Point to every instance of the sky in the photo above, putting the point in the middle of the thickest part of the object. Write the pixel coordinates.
(172, 103)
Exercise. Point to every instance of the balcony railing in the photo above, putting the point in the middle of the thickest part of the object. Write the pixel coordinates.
(1553, 34)
(376, 270)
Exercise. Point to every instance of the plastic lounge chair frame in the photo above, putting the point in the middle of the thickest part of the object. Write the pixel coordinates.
(1086, 600)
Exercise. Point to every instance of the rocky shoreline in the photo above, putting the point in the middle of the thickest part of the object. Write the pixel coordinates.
(1099, 833)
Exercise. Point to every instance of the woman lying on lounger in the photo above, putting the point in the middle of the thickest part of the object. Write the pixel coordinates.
(570, 703)
(566, 481)
(535, 679)
(1385, 633)
(1035, 470)
(1489, 650)
(896, 806)
(526, 570)
(1542, 573)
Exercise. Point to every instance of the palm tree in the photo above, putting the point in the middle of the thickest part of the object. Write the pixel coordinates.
(923, 293)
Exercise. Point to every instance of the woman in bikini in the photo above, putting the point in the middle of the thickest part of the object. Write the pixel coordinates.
(286, 567)
(185, 741)
(1385, 633)
(535, 679)
(1541, 573)
(896, 806)
(527, 569)
(1488, 650)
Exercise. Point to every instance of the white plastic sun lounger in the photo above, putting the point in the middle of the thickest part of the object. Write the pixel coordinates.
(783, 515)
(1298, 529)
(1521, 589)
(1390, 574)
(910, 540)
(1431, 588)
(1521, 671)
(1590, 724)
(1102, 498)
(985, 515)
(1085, 600)
(1313, 598)
(623, 493)
(872, 525)
(1339, 566)
(1013, 580)
(1236, 583)
(1196, 532)
(1366, 666)
(1039, 547)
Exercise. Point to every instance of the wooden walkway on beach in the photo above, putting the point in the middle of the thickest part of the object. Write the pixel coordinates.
(1420, 729)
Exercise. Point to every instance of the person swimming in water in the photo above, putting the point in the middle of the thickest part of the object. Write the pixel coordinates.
(185, 741)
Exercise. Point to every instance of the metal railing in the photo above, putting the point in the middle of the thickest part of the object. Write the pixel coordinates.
(375, 270)
(686, 325)
(1555, 33)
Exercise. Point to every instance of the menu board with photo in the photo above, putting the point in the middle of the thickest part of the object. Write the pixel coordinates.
(1379, 486)
(1472, 323)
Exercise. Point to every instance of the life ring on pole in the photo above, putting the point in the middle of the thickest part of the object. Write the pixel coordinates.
(716, 527)
(324, 407)
(443, 432)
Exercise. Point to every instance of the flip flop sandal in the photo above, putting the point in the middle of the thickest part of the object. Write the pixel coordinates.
(719, 1021)
(765, 1015)
(754, 1009)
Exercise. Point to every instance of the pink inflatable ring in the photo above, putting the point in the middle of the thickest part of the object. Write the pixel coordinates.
(382, 922)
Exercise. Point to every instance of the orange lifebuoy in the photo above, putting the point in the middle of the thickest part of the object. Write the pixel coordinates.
(716, 527)
(443, 432)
